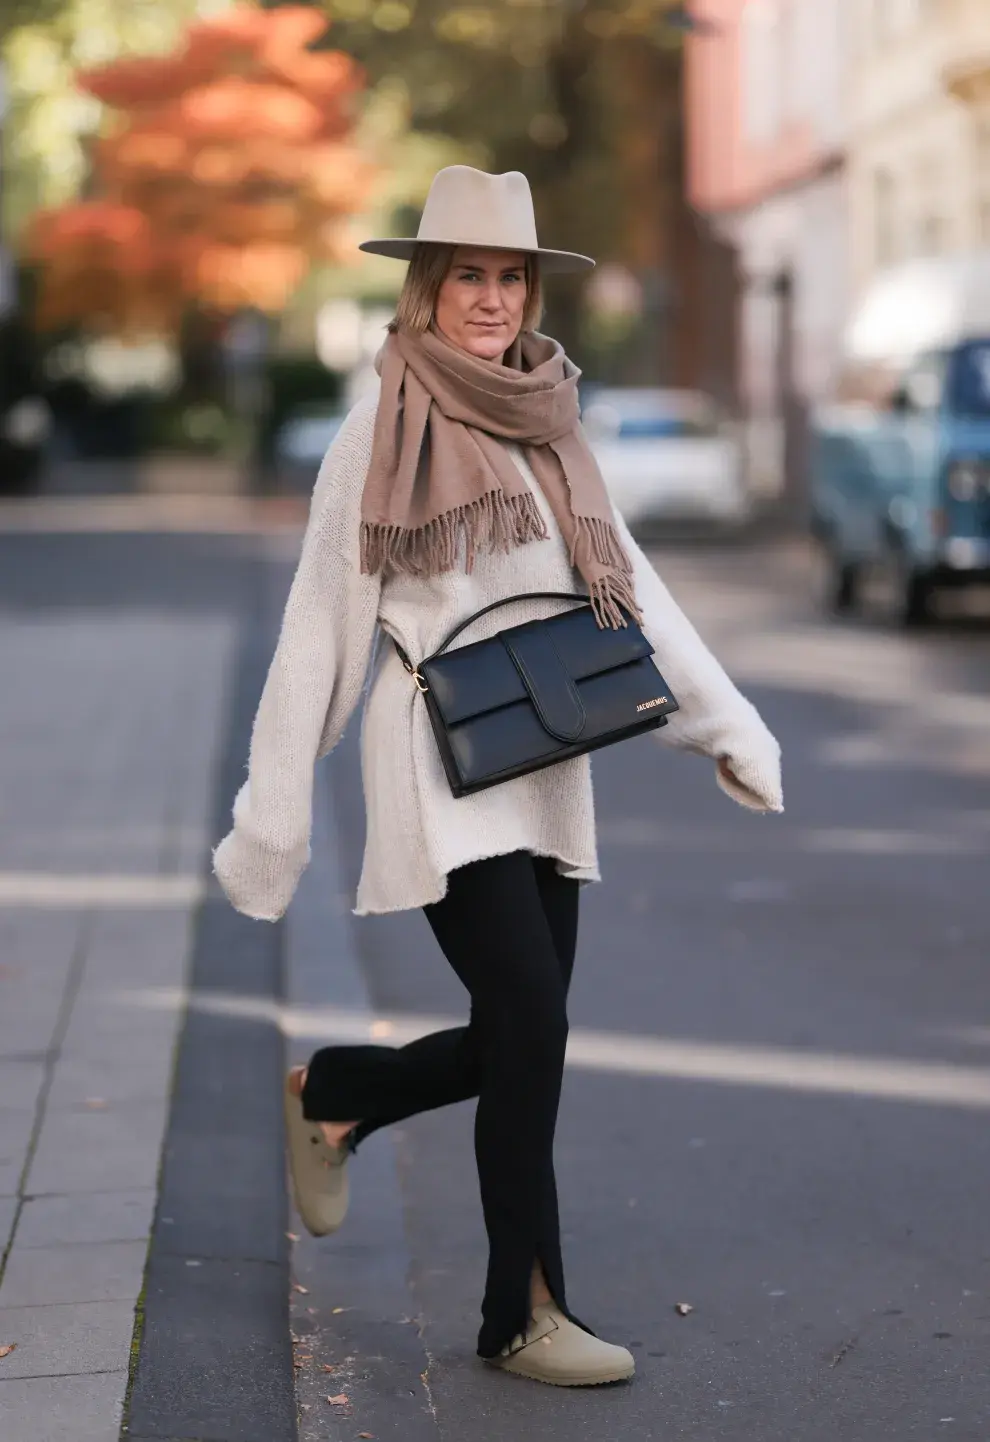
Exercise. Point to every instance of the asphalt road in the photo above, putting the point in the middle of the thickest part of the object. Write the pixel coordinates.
(779, 1083)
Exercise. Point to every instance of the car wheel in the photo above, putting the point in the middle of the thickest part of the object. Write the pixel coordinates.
(838, 580)
(902, 594)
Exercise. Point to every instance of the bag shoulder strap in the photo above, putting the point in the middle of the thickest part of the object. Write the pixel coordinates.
(494, 606)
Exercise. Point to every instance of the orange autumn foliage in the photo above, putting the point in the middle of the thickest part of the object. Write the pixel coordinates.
(228, 173)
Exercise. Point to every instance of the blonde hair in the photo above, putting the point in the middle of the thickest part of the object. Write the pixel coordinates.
(427, 272)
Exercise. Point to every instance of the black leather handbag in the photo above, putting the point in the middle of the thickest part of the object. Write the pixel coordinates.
(538, 693)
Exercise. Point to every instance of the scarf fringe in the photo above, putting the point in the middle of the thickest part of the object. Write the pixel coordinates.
(613, 600)
(602, 541)
(494, 522)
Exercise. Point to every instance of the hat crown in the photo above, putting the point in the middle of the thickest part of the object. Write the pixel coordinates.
(472, 208)
(469, 207)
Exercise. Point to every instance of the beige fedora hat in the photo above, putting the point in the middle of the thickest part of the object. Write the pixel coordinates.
(492, 212)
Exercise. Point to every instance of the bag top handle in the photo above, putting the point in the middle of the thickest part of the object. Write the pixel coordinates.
(506, 601)
(494, 606)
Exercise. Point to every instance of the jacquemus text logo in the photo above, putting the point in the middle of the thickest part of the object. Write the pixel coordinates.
(649, 705)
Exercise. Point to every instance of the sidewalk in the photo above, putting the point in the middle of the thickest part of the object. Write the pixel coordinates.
(111, 711)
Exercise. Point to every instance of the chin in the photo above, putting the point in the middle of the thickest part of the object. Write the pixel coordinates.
(487, 347)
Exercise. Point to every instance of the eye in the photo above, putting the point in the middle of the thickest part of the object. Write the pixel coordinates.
(512, 277)
(470, 275)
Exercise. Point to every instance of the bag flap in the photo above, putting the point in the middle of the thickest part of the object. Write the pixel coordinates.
(482, 676)
(552, 691)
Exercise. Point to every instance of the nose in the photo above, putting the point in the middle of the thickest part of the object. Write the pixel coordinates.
(491, 298)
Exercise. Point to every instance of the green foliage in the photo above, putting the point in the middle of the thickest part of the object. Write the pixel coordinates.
(21, 12)
(50, 124)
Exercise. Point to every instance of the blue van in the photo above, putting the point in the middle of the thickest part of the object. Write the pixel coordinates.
(900, 466)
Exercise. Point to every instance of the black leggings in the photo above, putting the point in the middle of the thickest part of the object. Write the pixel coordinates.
(508, 927)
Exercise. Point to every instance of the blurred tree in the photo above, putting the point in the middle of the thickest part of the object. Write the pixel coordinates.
(21, 12)
(50, 124)
(226, 175)
(584, 96)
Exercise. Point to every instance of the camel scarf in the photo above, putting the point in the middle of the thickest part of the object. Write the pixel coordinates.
(441, 485)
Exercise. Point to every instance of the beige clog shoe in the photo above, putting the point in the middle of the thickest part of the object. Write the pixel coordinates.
(318, 1170)
(557, 1351)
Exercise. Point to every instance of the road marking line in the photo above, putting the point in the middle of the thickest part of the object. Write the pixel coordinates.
(730, 1064)
(45, 889)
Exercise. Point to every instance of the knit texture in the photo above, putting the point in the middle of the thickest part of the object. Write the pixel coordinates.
(416, 831)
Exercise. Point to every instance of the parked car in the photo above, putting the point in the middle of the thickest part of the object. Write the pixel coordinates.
(901, 470)
(666, 455)
(302, 441)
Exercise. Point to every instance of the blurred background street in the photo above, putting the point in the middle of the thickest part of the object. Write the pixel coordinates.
(772, 1152)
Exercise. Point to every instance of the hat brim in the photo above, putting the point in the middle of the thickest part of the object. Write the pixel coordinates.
(557, 262)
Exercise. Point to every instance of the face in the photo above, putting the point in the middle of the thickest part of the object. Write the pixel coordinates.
(481, 301)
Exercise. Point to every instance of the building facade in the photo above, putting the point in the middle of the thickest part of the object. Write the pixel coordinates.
(919, 131)
(766, 133)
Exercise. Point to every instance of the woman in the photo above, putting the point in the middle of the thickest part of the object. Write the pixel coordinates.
(466, 480)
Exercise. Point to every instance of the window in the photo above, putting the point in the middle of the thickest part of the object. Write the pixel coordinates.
(884, 217)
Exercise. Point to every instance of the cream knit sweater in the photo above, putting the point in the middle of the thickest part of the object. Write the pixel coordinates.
(417, 832)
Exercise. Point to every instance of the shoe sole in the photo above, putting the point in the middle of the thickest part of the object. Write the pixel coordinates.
(572, 1381)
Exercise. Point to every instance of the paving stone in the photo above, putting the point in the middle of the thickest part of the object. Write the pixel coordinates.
(78, 1337)
(130, 1052)
(35, 944)
(103, 1022)
(56, 1409)
(8, 1211)
(27, 1024)
(97, 1151)
(105, 1272)
(128, 1074)
(15, 1137)
(135, 950)
(20, 1083)
(87, 1217)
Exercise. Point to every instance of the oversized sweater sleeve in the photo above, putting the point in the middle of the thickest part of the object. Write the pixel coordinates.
(714, 719)
(313, 685)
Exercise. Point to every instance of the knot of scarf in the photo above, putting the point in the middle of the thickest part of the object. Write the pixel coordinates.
(441, 486)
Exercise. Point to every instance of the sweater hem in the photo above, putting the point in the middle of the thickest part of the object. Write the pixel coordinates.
(578, 870)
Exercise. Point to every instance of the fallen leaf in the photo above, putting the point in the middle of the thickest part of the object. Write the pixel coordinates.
(335, 1310)
(6, 1350)
(366, 1434)
(683, 1308)
(298, 1287)
(341, 1400)
(95, 1104)
(292, 1236)
(844, 1351)
(328, 1367)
